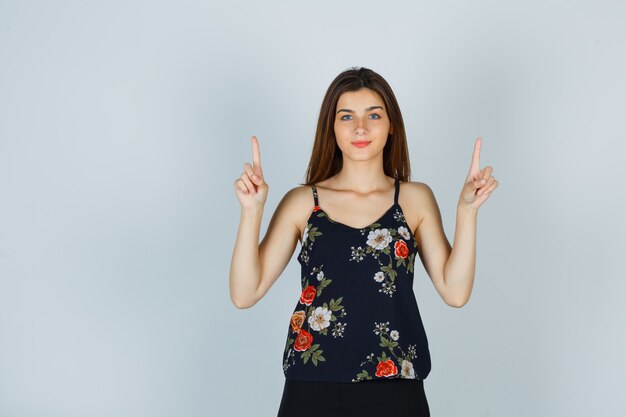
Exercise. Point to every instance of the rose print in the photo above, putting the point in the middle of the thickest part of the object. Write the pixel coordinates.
(401, 250)
(297, 319)
(308, 294)
(386, 368)
(303, 340)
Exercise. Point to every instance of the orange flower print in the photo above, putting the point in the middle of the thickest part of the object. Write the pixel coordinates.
(308, 294)
(402, 250)
(303, 341)
(316, 208)
(386, 368)
(297, 319)
(323, 319)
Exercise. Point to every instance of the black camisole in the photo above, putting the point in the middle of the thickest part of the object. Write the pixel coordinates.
(356, 318)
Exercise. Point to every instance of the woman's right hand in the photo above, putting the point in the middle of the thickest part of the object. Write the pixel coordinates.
(251, 187)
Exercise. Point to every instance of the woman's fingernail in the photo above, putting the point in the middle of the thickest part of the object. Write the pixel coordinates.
(482, 181)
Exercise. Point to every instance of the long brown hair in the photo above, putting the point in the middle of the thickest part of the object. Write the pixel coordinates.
(326, 159)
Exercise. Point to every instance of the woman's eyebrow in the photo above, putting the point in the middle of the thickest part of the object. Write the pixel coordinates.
(367, 109)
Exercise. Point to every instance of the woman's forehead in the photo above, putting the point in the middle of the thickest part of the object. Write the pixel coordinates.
(359, 100)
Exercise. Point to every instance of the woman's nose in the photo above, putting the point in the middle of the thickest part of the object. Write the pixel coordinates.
(360, 125)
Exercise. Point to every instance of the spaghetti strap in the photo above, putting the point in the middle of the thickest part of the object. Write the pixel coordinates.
(314, 194)
(395, 197)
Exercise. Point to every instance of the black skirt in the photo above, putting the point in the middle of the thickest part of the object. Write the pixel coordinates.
(398, 397)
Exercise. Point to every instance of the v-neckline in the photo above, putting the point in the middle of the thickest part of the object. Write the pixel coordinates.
(352, 227)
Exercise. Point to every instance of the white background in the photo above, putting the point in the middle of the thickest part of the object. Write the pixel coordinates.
(124, 124)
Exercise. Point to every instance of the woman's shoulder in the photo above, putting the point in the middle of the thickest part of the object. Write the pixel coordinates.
(415, 188)
(296, 205)
(301, 194)
(416, 199)
(298, 201)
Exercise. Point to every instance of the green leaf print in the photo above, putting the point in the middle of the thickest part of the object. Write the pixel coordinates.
(313, 232)
(363, 375)
(317, 356)
(325, 283)
(335, 304)
(411, 261)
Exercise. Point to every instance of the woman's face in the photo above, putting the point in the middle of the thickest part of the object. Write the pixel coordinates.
(361, 124)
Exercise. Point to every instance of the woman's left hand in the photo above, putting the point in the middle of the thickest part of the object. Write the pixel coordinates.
(479, 183)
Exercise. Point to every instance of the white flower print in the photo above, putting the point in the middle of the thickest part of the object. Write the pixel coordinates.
(381, 327)
(379, 276)
(339, 328)
(379, 238)
(320, 318)
(320, 275)
(305, 257)
(404, 232)
(388, 288)
(407, 369)
(286, 363)
(357, 254)
(305, 234)
(394, 334)
(399, 216)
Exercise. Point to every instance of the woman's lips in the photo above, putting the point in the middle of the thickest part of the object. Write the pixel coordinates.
(361, 143)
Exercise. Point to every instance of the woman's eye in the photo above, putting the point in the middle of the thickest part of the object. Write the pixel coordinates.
(373, 114)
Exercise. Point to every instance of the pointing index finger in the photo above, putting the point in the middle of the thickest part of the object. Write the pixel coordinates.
(256, 154)
(476, 154)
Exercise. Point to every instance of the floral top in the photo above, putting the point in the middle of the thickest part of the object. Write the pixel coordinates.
(357, 317)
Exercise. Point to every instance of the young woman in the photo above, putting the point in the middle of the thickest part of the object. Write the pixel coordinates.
(355, 343)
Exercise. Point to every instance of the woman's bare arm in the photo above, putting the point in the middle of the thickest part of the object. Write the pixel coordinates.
(452, 269)
(254, 268)
(432, 244)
